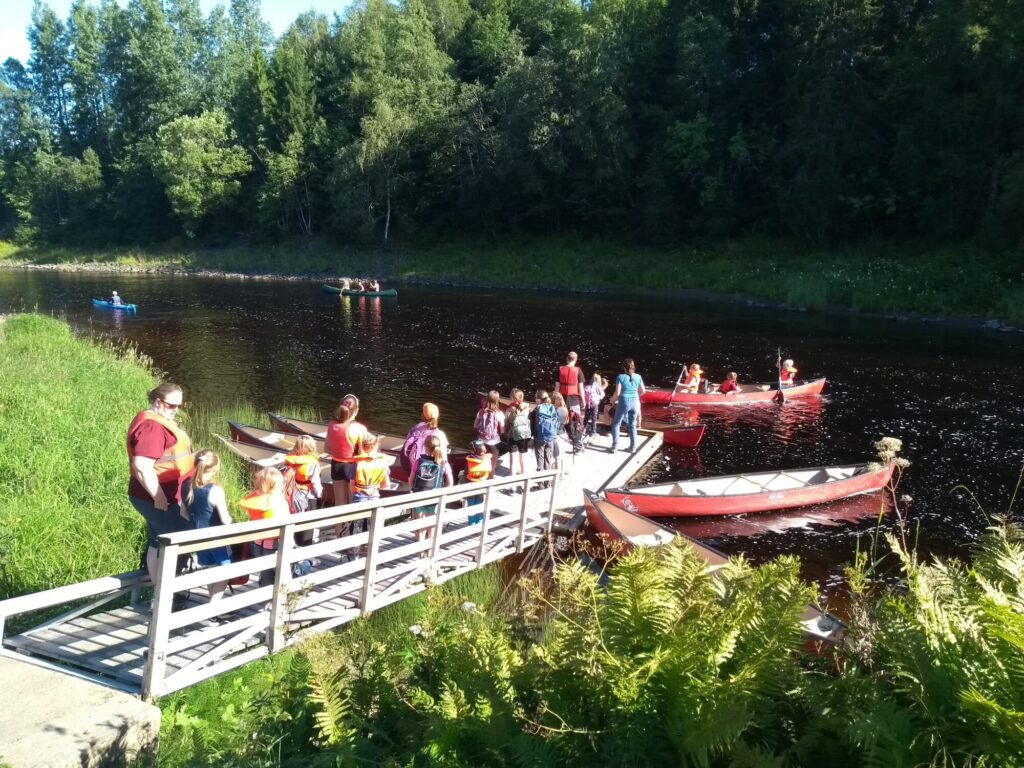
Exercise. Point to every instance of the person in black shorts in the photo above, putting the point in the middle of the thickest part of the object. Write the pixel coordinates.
(518, 431)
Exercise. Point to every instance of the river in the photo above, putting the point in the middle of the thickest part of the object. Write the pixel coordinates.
(951, 394)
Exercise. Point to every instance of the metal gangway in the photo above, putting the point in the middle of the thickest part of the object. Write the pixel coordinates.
(151, 646)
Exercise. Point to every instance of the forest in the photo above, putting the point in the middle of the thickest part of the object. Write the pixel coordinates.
(639, 121)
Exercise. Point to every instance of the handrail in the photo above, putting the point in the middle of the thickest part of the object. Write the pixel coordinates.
(354, 512)
(48, 598)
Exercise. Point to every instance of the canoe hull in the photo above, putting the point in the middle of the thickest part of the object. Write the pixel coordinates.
(616, 522)
(330, 289)
(752, 393)
(388, 293)
(115, 307)
(664, 505)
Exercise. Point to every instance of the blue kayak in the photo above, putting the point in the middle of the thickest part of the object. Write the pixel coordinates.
(107, 305)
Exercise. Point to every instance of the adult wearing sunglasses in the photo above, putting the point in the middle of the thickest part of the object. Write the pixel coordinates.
(160, 460)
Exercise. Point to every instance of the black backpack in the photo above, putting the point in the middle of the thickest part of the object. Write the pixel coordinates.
(429, 476)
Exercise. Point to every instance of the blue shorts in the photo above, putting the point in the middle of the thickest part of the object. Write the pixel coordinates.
(159, 522)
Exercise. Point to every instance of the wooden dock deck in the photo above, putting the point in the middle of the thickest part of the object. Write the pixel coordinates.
(155, 646)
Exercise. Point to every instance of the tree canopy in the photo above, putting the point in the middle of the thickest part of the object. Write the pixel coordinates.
(641, 119)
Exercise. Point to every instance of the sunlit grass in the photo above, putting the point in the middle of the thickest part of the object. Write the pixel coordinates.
(65, 405)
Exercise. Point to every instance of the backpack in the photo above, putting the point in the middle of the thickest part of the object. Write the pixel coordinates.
(520, 423)
(413, 446)
(487, 426)
(429, 476)
(547, 423)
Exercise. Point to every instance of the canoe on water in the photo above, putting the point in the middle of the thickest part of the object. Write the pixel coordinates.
(752, 491)
(117, 307)
(672, 433)
(391, 444)
(752, 393)
(279, 441)
(387, 292)
(617, 523)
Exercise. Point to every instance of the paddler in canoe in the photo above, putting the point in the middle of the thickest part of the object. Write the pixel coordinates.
(729, 386)
(689, 380)
(787, 374)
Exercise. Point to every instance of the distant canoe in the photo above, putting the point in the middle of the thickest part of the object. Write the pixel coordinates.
(328, 288)
(752, 393)
(634, 531)
(752, 491)
(117, 307)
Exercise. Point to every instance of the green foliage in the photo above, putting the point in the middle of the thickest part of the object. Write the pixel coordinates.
(199, 164)
(65, 404)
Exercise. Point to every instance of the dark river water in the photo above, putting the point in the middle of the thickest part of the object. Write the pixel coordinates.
(953, 395)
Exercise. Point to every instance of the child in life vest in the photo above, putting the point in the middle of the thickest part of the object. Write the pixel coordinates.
(204, 505)
(372, 471)
(266, 501)
(303, 487)
(593, 394)
(478, 469)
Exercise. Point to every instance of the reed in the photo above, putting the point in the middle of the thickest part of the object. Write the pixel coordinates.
(65, 404)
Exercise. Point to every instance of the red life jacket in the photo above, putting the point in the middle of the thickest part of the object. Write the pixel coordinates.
(371, 473)
(178, 461)
(569, 380)
(341, 440)
(478, 467)
(787, 375)
(305, 466)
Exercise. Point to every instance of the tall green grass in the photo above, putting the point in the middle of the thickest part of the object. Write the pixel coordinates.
(65, 405)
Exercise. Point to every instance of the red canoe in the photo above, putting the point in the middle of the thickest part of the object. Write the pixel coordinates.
(672, 433)
(635, 531)
(752, 492)
(752, 393)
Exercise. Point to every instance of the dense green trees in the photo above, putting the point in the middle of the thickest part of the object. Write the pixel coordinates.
(652, 119)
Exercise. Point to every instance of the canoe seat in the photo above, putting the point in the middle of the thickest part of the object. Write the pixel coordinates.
(677, 490)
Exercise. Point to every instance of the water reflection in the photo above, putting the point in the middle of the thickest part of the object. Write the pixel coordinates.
(279, 345)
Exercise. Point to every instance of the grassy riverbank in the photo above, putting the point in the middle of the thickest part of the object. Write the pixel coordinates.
(961, 281)
(663, 663)
(65, 404)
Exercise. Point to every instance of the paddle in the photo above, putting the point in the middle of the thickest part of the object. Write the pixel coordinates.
(679, 381)
(781, 397)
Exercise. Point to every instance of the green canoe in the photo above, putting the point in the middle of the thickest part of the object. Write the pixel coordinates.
(327, 288)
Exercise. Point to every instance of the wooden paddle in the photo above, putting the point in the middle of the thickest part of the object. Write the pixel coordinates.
(781, 397)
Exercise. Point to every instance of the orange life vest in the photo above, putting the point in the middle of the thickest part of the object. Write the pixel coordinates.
(371, 472)
(478, 468)
(342, 439)
(263, 506)
(305, 466)
(569, 380)
(178, 461)
(787, 375)
(692, 381)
